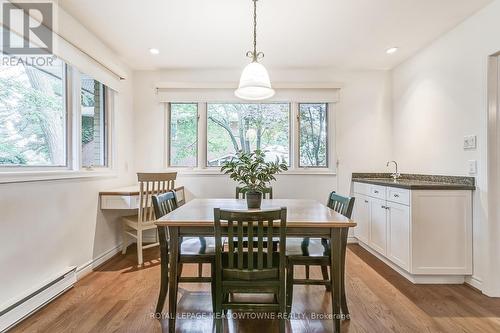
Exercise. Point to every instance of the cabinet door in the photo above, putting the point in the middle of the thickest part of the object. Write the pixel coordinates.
(378, 225)
(362, 218)
(398, 233)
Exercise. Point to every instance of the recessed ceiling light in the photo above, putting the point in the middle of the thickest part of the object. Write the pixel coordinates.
(392, 50)
(154, 51)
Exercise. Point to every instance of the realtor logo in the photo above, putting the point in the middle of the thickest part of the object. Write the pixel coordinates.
(33, 21)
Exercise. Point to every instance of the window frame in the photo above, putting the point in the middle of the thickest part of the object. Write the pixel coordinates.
(327, 120)
(168, 116)
(73, 167)
(290, 157)
(105, 128)
(293, 134)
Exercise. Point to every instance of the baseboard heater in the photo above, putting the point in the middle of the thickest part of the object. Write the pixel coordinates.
(17, 311)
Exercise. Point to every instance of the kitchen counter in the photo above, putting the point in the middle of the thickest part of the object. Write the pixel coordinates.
(417, 182)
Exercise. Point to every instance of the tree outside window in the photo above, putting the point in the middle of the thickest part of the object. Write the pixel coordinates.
(32, 115)
(234, 127)
(313, 135)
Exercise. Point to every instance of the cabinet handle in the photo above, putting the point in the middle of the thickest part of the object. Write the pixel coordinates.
(383, 207)
(396, 195)
(387, 207)
(366, 201)
(376, 192)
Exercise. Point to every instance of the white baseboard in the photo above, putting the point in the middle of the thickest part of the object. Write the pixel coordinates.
(417, 278)
(32, 301)
(474, 282)
(89, 266)
(20, 309)
(352, 240)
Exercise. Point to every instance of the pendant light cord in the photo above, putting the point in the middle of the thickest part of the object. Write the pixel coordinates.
(255, 55)
(254, 30)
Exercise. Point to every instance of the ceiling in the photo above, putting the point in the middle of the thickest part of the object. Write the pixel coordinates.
(346, 34)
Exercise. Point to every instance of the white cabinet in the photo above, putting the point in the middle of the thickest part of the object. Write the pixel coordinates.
(362, 217)
(426, 235)
(378, 225)
(398, 234)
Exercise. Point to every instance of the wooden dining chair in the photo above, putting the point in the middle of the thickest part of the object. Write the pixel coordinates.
(316, 252)
(134, 226)
(193, 250)
(266, 194)
(240, 270)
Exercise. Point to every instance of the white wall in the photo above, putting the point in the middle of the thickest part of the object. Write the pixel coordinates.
(362, 129)
(47, 226)
(439, 96)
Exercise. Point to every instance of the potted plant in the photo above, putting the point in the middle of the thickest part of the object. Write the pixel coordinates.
(253, 174)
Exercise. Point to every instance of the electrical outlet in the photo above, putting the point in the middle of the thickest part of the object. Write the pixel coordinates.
(472, 167)
(470, 142)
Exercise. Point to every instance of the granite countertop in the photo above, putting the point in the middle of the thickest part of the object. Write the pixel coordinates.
(417, 182)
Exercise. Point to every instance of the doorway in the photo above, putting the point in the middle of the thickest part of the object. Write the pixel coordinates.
(492, 243)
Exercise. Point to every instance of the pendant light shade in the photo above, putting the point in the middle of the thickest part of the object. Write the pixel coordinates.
(254, 83)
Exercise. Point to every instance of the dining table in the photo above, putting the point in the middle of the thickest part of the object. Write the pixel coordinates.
(305, 218)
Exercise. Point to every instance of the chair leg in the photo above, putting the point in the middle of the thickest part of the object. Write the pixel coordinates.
(307, 272)
(218, 311)
(212, 284)
(163, 288)
(289, 288)
(324, 272)
(225, 299)
(282, 302)
(343, 301)
(179, 271)
(124, 238)
(139, 248)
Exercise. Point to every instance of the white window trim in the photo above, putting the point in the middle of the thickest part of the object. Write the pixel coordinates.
(73, 168)
(201, 168)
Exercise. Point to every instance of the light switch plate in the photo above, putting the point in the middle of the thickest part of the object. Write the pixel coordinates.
(470, 142)
(472, 167)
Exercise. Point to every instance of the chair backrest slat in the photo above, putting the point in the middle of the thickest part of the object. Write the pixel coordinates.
(230, 243)
(340, 204)
(250, 245)
(252, 228)
(240, 244)
(269, 244)
(152, 184)
(260, 245)
(266, 194)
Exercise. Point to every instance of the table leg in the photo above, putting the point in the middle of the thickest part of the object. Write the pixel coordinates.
(174, 258)
(336, 274)
(162, 233)
(345, 308)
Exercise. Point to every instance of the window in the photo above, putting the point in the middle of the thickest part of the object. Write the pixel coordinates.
(33, 114)
(48, 109)
(205, 134)
(313, 151)
(93, 120)
(183, 134)
(233, 127)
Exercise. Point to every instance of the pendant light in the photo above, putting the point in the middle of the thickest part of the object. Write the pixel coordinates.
(254, 84)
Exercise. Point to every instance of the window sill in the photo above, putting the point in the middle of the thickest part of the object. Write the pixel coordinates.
(216, 172)
(35, 176)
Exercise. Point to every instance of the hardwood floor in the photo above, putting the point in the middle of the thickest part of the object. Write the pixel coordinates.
(119, 297)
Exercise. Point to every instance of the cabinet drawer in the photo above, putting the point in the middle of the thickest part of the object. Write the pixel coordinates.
(398, 195)
(361, 188)
(377, 191)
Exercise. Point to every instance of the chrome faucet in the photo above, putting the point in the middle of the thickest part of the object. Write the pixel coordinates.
(396, 174)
